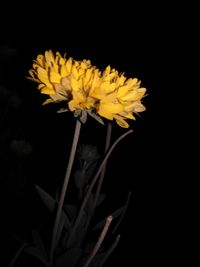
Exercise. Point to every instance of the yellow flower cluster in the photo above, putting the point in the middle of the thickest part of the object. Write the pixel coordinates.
(86, 89)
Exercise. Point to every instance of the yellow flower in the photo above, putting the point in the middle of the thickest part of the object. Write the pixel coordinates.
(118, 97)
(52, 72)
(87, 90)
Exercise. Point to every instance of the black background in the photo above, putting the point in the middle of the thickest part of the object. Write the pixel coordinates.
(144, 47)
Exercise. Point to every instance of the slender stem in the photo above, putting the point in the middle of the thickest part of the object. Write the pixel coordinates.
(100, 241)
(93, 183)
(64, 188)
(111, 249)
(107, 145)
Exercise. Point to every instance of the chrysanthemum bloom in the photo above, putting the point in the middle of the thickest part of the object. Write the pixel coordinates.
(118, 97)
(86, 90)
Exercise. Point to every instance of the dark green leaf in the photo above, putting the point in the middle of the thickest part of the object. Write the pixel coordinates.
(38, 242)
(79, 233)
(77, 113)
(90, 204)
(97, 260)
(70, 210)
(60, 229)
(50, 202)
(83, 116)
(62, 110)
(70, 258)
(95, 116)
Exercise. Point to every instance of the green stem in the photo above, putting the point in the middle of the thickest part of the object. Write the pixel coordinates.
(64, 188)
(100, 241)
(93, 184)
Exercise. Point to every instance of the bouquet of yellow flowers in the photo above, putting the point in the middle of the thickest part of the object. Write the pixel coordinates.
(106, 96)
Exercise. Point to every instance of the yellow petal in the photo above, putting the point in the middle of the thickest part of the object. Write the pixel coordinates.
(87, 77)
(107, 70)
(61, 61)
(40, 60)
(66, 83)
(79, 95)
(121, 122)
(47, 91)
(135, 107)
(122, 91)
(75, 84)
(142, 90)
(96, 81)
(75, 72)
(120, 81)
(49, 57)
(107, 87)
(112, 108)
(139, 107)
(64, 72)
(55, 77)
(43, 76)
(40, 86)
(109, 98)
(104, 112)
(132, 82)
(47, 101)
(69, 64)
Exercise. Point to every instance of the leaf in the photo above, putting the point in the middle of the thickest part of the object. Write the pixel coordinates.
(83, 116)
(77, 113)
(38, 242)
(95, 116)
(97, 260)
(70, 258)
(70, 210)
(114, 215)
(65, 239)
(50, 202)
(60, 229)
(62, 110)
(37, 254)
(79, 233)
(90, 204)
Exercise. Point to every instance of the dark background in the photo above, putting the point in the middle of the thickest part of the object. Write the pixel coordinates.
(138, 164)
(142, 163)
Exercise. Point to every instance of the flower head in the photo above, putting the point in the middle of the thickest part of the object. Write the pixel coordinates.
(86, 89)
(119, 97)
